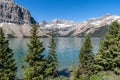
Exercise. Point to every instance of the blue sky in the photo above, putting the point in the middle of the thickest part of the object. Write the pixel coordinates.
(75, 10)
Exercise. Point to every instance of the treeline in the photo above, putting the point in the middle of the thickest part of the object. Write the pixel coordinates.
(38, 67)
(103, 65)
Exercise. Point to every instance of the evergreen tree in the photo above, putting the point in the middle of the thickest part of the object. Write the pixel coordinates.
(7, 63)
(52, 62)
(73, 71)
(86, 58)
(108, 56)
(35, 68)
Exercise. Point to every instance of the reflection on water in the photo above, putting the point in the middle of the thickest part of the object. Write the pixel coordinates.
(67, 50)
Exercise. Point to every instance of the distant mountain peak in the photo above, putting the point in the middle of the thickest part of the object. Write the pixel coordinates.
(93, 26)
(16, 21)
(6, 0)
(43, 23)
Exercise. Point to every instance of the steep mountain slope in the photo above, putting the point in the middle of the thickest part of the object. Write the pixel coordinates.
(11, 12)
(16, 21)
(93, 26)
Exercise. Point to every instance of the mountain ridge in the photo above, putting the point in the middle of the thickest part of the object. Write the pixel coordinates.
(94, 26)
(16, 21)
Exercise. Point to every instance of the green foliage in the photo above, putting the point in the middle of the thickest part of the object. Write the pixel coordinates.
(108, 56)
(59, 78)
(73, 70)
(35, 61)
(86, 61)
(7, 63)
(95, 77)
(86, 58)
(52, 62)
(108, 75)
(117, 71)
(84, 77)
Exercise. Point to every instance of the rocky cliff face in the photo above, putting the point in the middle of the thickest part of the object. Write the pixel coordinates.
(12, 13)
(16, 21)
(94, 26)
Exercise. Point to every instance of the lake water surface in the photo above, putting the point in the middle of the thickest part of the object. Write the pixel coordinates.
(67, 50)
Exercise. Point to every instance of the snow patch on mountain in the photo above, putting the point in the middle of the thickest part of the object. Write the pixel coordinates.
(71, 28)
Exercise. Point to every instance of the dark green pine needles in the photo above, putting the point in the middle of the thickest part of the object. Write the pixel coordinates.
(108, 56)
(35, 67)
(86, 58)
(52, 63)
(7, 63)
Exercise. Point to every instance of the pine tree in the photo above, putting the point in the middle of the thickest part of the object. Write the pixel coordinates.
(108, 56)
(86, 58)
(35, 61)
(52, 62)
(73, 70)
(7, 63)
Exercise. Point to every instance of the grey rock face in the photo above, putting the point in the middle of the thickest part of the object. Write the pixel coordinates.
(16, 22)
(94, 26)
(43, 23)
(12, 13)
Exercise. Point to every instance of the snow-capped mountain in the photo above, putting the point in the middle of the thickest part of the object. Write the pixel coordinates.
(94, 26)
(16, 21)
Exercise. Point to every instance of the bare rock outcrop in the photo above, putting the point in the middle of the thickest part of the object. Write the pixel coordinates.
(16, 21)
(95, 26)
(10, 12)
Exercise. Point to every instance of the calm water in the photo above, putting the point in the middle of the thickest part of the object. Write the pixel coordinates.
(67, 50)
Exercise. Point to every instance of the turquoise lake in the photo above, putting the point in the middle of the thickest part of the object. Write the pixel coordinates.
(67, 50)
